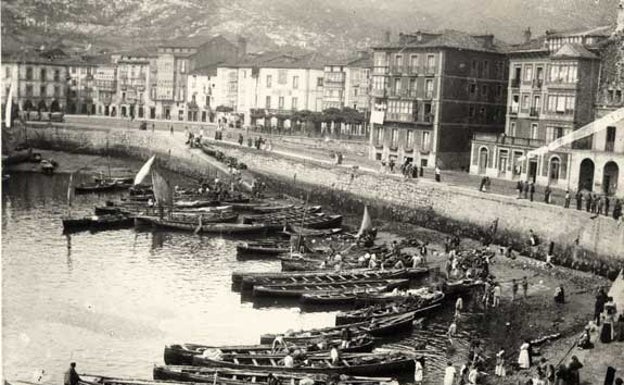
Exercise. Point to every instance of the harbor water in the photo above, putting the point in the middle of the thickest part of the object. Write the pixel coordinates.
(111, 300)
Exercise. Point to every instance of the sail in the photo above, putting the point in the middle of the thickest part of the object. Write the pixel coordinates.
(162, 190)
(70, 190)
(9, 107)
(138, 179)
(367, 223)
(617, 292)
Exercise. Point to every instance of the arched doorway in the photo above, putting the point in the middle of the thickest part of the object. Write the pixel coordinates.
(55, 107)
(483, 159)
(123, 111)
(586, 175)
(28, 106)
(554, 168)
(42, 106)
(610, 176)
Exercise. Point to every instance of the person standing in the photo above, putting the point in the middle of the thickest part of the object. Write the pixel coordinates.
(419, 371)
(437, 174)
(71, 376)
(524, 361)
(574, 377)
(171, 129)
(500, 370)
(559, 295)
(449, 374)
(547, 193)
(601, 298)
(497, 295)
(617, 209)
(525, 286)
(566, 203)
(599, 205)
(532, 191)
(588, 202)
(514, 289)
(579, 200)
(519, 189)
(607, 203)
(526, 189)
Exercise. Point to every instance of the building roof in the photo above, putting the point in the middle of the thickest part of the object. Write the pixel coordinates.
(534, 45)
(193, 42)
(209, 70)
(139, 52)
(573, 51)
(603, 31)
(48, 57)
(448, 39)
(280, 60)
(363, 59)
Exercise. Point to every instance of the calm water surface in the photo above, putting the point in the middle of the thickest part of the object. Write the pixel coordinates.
(111, 300)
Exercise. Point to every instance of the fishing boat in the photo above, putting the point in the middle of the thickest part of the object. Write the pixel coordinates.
(292, 229)
(296, 290)
(182, 354)
(86, 188)
(206, 217)
(261, 249)
(461, 287)
(286, 213)
(97, 223)
(419, 306)
(385, 327)
(228, 376)
(217, 228)
(425, 293)
(274, 208)
(267, 279)
(116, 179)
(361, 364)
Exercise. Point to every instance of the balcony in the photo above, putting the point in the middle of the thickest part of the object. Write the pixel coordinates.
(425, 118)
(508, 140)
(430, 70)
(537, 83)
(412, 93)
(515, 83)
(513, 110)
(534, 112)
(399, 117)
(379, 93)
(380, 70)
(396, 70)
(428, 95)
(334, 80)
(414, 70)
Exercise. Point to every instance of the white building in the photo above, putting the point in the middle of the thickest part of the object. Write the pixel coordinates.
(201, 86)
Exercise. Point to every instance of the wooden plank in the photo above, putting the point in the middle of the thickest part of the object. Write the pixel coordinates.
(346, 364)
(254, 361)
(273, 362)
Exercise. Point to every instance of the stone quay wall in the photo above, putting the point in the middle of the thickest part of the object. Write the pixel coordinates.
(420, 201)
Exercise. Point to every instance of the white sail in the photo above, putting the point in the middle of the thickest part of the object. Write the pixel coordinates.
(9, 107)
(162, 190)
(144, 171)
(367, 223)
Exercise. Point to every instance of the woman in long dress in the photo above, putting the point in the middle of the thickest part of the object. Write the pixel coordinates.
(524, 360)
(449, 374)
(418, 373)
(500, 364)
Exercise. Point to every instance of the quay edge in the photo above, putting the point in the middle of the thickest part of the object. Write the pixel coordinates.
(440, 207)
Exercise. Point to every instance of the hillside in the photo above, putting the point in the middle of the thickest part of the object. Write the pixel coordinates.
(328, 25)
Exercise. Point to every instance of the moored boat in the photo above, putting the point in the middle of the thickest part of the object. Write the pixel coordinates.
(228, 376)
(353, 364)
(385, 327)
(97, 222)
(296, 290)
(261, 248)
(182, 354)
(417, 305)
(293, 229)
(86, 188)
(218, 228)
(427, 294)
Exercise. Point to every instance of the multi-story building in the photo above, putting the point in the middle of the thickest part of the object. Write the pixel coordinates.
(80, 87)
(39, 80)
(200, 100)
(134, 95)
(436, 90)
(552, 90)
(347, 84)
(105, 83)
(176, 60)
(269, 88)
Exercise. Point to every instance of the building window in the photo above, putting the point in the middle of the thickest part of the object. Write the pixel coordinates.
(525, 102)
(473, 89)
(555, 166)
(29, 90)
(269, 80)
(512, 128)
(29, 73)
(57, 91)
(397, 85)
(319, 82)
(268, 103)
(554, 133)
(431, 63)
(379, 136)
(410, 139)
(295, 82)
(44, 75)
(486, 68)
(414, 63)
(610, 142)
(7, 72)
(294, 103)
(395, 138)
(282, 76)
(280, 103)
(429, 88)
(426, 138)
(471, 111)
(73, 70)
(528, 73)
(43, 91)
(57, 76)
(534, 131)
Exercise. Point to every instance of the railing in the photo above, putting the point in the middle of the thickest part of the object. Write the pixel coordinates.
(414, 70)
(334, 80)
(413, 93)
(430, 70)
(428, 95)
(537, 83)
(379, 93)
(534, 112)
(399, 117)
(380, 70)
(396, 69)
(609, 146)
(513, 110)
(509, 140)
(515, 83)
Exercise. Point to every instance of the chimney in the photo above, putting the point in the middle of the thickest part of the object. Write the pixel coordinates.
(619, 27)
(386, 37)
(401, 38)
(242, 46)
(527, 35)
(419, 36)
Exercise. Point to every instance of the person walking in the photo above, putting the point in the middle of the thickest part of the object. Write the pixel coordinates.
(497, 295)
(437, 174)
(599, 205)
(532, 191)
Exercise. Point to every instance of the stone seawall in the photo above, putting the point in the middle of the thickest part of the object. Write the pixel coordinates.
(420, 201)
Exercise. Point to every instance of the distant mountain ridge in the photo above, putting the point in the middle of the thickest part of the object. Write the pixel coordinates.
(333, 26)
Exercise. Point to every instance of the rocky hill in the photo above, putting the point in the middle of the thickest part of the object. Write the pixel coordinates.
(336, 26)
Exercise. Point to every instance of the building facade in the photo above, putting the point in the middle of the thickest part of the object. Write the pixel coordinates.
(435, 91)
(80, 88)
(105, 79)
(558, 83)
(201, 89)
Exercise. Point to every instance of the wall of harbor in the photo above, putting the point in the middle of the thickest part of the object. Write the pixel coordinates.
(421, 201)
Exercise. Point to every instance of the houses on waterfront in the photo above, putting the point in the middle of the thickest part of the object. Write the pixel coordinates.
(448, 99)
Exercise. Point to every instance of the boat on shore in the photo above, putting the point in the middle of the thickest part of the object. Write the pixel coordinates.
(416, 305)
(182, 354)
(385, 327)
(99, 187)
(292, 229)
(263, 249)
(216, 228)
(228, 376)
(427, 294)
(352, 364)
(351, 287)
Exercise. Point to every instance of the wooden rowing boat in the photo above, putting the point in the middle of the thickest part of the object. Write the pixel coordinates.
(86, 188)
(461, 287)
(182, 354)
(385, 327)
(206, 217)
(97, 223)
(352, 287)
(261, 249)
(218, 228)
(292, 229)
(417, 305)
(228, 376)
(423, 293)
(313, 221)
(288, 213)
(353, 364)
